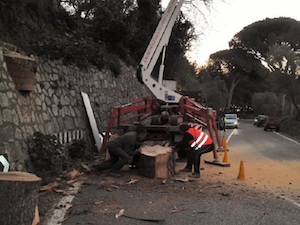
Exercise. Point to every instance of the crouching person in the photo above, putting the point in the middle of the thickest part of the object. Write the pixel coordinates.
(122, 149)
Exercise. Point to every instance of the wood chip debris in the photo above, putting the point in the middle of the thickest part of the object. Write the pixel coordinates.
(50, 186)
(61, 191)
(120, 213)
(85, 167)
(175, 209)
(132, 181)
(182, 179)
(73, 174)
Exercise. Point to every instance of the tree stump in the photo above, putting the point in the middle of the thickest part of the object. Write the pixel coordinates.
(18, 197)
(157, 162)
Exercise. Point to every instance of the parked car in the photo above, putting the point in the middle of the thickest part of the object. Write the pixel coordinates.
(231, 121)
(261, 119)
(272, 123)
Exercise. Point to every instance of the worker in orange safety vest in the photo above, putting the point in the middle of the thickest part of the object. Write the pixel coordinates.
(195, 142)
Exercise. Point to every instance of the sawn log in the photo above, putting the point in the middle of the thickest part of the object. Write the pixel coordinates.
(18, 197)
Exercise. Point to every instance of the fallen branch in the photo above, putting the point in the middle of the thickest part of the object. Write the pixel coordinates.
(132, 181)
(85, 167)
(50, 186)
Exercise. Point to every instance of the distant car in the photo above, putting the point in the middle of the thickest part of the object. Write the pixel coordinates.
(272, 123)
(261, 119)
(231, 121)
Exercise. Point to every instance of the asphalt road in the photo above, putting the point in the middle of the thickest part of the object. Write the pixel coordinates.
(272, 161)
(270, 194)
(269, 144)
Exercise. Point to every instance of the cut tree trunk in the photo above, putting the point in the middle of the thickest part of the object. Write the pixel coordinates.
(157, 162)
(18, 196)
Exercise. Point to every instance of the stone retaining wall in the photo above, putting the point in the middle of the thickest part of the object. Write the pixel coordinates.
(55, 105)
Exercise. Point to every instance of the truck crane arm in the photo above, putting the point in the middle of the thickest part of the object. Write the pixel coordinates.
(157, 46)
(148, 107)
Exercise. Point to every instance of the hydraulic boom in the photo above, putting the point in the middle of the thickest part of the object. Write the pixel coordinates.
(157, 46)
(165, 118)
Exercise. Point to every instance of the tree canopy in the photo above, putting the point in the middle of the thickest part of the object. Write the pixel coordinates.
(89, 32)
(236, 65)
(276, 42)
(264, 56)
(259, 36)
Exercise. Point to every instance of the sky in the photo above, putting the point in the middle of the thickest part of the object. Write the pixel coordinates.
(227, 17)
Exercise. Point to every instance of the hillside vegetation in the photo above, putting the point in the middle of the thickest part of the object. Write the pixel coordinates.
(96, 33)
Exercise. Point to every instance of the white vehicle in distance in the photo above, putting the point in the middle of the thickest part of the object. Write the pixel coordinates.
(231, 120)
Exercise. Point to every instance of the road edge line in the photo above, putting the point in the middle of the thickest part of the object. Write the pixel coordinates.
(290, 139)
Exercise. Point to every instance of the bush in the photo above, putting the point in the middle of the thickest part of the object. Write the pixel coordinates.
(77, 149)
(266, 103)
(46, 156)
(291, 127)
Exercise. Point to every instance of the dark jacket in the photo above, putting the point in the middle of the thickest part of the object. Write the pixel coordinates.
(184, 143)
(128, 142)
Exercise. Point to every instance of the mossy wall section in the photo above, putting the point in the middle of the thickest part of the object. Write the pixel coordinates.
(55, 104)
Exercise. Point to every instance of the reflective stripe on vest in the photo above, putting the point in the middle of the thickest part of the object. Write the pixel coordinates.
(201, 140)
(197, 140)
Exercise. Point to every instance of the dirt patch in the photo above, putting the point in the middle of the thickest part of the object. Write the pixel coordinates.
(282, 179)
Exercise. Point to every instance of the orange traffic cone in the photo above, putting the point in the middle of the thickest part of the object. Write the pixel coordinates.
(241, 175)
(225, 158)
(224, 144)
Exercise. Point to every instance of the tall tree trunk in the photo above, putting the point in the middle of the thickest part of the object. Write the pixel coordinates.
(234, 82)
(230, 94)
(295, 106)
(282, 104)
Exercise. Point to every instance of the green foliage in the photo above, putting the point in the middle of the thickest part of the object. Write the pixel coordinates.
(85, 33)
(266, 103)
(213, 88)
(272, 41)
(259, 36)
(144, 21)
(46, 155)
(236, 63)
(291, 127)
(77, 149)
(176, 65)
(49, 159)
(277, 43)
(234, 66)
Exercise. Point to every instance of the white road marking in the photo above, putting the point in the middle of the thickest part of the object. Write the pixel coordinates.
(291, 200)
(281, 135)
(63, 205)
(228, 138)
